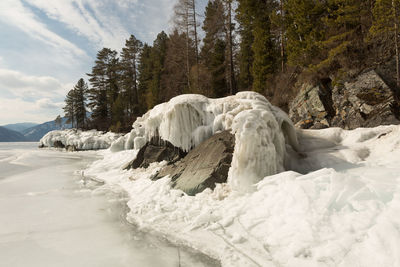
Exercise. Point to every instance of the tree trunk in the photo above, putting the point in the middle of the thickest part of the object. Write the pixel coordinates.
(187, 47)
(136, 93)
(282, 38)
(196, 42)
(232, 84)
(396, 41)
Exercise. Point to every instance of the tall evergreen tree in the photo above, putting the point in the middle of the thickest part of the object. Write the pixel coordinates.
(214, 49)
(304, 30)
(81, 90)
(254, 17)
(229, 25)
(386, 28)
(69, 108)
(145, 75)
(104, 87)
(129, 75)
(246, 56)
(75, 105)
(157, 56)
(218, 70)
(344, 44)
(264, 49)
(173, 78)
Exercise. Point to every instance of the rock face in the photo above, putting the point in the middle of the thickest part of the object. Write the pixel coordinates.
(156, 150)
(204, 166)
(366, 101)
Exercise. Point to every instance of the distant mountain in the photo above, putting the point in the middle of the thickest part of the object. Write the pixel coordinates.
(19, 127)
(7, 135)
(35, 133)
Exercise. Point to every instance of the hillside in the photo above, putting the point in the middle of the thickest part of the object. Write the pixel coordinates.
(7, 135)
(19, 127)
(35, 133)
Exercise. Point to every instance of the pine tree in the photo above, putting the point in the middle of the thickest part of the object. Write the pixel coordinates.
(69, 108)
(386, 28)
(230, 27)
(265, 54)
(304, 30)
(246, 56)
(174, 80)
(81, 90)
(218, 70)
(344, 45)
(157, 57)
(75, 105)
(129, 75)
(214, 49)
(145, 75)
(104, 87)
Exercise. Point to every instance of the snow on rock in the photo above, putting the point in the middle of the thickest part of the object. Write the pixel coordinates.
(187, 120)
(80, 140)
(342, 211)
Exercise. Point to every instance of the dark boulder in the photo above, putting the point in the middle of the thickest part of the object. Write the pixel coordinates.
(58, 144)
(204, 166)
(156, 150)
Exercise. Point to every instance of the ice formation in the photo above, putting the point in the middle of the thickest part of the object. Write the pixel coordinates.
(343, 211)
(81, 140)
(187, 120)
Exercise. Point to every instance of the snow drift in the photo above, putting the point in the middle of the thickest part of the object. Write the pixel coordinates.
(80, 140)
(261, 131)
(342, 211)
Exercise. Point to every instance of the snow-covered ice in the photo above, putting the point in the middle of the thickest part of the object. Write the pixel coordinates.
(49, 218)
(332, 198)
(80, 140)
(338, 205)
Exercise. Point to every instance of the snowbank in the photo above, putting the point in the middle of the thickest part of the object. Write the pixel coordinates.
(342, 211)
(187, 120)
(80, 140)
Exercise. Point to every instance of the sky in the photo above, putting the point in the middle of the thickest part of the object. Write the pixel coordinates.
(46, 46)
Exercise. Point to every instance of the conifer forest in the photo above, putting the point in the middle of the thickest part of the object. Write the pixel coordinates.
(267, 46)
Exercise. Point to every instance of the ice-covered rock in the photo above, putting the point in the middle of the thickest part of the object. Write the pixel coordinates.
(79, 140)
(204, 166)
(261, 131)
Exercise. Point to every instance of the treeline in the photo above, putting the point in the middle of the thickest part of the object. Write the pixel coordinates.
(260, 45)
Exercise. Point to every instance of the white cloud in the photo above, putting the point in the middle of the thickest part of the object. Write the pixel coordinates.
(28, 86)
(87, 18)
(18, 110)
(14, 13)
(46, 103)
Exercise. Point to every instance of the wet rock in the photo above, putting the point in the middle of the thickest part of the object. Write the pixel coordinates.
(204, 166)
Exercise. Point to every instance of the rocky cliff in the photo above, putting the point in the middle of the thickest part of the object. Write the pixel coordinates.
(364, 101)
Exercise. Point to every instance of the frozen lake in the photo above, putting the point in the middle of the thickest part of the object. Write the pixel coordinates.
(49, 218)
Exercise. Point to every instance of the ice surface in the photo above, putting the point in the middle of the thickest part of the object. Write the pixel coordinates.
(48, 218)
(81, 140)
(338, 206)
(187, 120)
